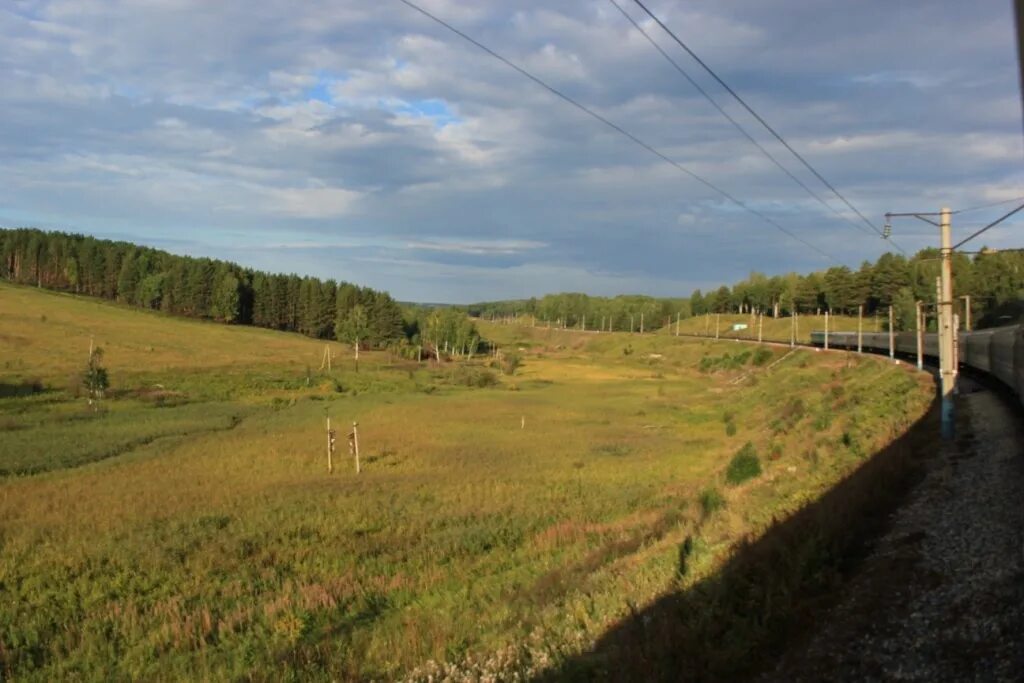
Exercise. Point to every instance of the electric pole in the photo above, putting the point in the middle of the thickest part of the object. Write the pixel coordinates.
(920, 339)
(860, 327)
(946, 360)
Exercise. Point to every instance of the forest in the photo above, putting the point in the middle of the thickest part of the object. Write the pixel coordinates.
(991, 278)
(226, 292)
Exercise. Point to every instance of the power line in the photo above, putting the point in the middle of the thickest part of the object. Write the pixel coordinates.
(736, 124)
(990, 205)
(761, 120)
(614, 126)
(990, 225)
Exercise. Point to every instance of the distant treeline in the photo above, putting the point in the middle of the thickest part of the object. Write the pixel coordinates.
(992, 279)
(202, 287)
(619, 313)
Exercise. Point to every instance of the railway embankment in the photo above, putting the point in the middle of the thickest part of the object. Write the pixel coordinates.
(940, 595)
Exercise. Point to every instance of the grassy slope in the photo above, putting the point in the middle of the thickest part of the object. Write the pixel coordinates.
(221, 553)
(773, 329)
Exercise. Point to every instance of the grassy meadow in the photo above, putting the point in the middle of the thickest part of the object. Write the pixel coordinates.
(772, 329)
(188, 528)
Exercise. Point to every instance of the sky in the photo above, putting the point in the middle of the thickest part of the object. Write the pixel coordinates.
(363, 142)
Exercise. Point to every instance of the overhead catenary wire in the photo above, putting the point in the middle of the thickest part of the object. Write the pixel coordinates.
(990, 205)
(987, 227)
(616, 127)
(764, 123)
(736, 124)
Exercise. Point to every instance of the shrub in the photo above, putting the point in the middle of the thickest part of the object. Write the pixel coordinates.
(469, 376)
(743, 466)
(730, 429)
(761, 356)
(510, 362)
(685, 551)
(711, 501)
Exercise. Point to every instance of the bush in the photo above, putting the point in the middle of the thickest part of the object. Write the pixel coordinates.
(510, 362)
(730, 429)
(470, 376)
(685, 551)
(743, 466)
(761, 356)
(711, 501)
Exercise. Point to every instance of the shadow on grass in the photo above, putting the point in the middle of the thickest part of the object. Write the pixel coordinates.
(769, 592)
(28, 387)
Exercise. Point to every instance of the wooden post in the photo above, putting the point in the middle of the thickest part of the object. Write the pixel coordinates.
(707, 324)
(826, 329)
(792, 329)
(641, 322)
(631, 319)
(677, 323)
(330, 446)
(718, 323)
(355, 443)
(760, 327)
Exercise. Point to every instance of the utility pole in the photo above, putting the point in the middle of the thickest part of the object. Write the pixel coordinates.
(760, 326)
(718, 323)
(792, 329)
(920, 339)
(826, 329)
(944, 303)
(967, 311)
(631, 319)
(677, 323)
(860, 327)
(892, 338)
(641, 322)
(947, 361)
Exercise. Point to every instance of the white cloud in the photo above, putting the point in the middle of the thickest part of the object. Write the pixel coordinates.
(477, 247)
(209, 118)
(310, 202)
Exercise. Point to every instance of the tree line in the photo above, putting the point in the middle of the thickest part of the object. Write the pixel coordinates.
(202, 287)
(574, 310)
(992, 279)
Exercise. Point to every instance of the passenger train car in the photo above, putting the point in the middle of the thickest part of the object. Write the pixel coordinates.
(997, 351)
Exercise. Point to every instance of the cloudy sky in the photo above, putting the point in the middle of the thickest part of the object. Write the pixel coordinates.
(361, 141)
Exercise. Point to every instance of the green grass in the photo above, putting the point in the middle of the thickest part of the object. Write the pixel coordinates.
(189, 529)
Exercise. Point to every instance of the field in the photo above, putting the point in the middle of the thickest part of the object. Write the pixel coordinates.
(188, 528)
(772, 329)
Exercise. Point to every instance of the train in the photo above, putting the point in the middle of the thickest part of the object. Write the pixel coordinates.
(997, 351)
